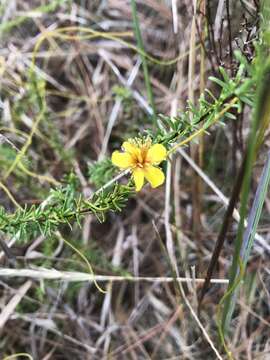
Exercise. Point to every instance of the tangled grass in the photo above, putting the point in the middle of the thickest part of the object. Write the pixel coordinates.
(90, 268)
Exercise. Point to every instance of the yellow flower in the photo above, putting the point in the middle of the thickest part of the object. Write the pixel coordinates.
(141, 157)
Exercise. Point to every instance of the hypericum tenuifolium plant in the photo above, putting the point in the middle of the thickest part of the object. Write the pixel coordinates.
(65, 203)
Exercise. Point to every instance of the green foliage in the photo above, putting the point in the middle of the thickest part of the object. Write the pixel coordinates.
(250, 286)
(209, 106)
(7, 157)
(122, 93)
(101, 172)
(63, 206)
(260, 122)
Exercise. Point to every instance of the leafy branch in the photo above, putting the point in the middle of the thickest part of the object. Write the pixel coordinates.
(66, 204)
(241, 88)
(63, 206)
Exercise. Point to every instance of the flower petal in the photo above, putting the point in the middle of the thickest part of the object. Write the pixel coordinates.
(130, 148)
(156, 154)
(154, 175)
(122, 160)
(138, 176)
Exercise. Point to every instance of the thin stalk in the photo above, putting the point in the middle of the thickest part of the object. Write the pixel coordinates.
(194, 149)
(253, 220)
(143, 58)
(222, 234)
(260, 118)
(73, 276)
(256, 211)
(228, 305)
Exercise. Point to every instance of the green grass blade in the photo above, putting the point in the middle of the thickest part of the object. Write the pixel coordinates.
(228, 305)
(260, 121)
(143, 58)
(255, 212)
(252, 224)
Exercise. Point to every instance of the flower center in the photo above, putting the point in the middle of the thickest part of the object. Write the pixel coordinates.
(141, 157)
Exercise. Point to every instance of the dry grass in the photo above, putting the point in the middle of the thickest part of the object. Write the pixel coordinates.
(59, 313)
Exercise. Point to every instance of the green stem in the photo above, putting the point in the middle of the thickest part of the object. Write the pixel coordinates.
(143, 58)
(260, 118)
